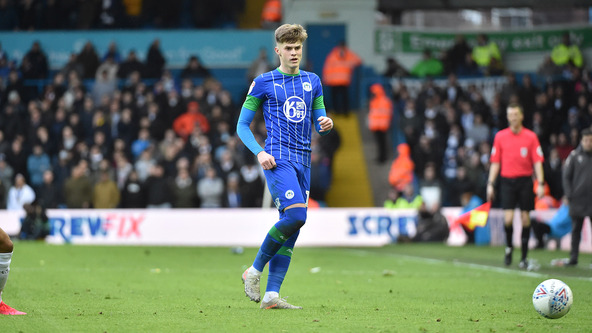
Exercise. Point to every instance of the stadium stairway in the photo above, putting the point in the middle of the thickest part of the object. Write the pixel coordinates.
(351, 185)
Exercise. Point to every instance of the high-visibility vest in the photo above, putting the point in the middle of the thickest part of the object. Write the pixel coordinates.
(562, 54)
(339, 66)
(380, 109)
(272, 11)
(482, 54)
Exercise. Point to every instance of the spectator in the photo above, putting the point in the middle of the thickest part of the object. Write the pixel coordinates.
(34, 63)
(565, 54)
(185, 123)
(184, 190)
(49, 194)
(105, 192)
(19, 194)
(155, 61)
(252, 183)
(133, 193)
(104, 86)
(259, 66)
(320, 177)
(427, 66)
(130, 65)
(17, 157)
(158, 190)
(37, 164)
(195, 69)
(232, 196)
(89, 59)
(35, 224)
(210, 189)
(454, 58)
(337, 75)
(78, 189)
(394, 69)
(487, 56)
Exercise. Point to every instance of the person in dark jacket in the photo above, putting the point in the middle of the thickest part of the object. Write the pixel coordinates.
(577, 185)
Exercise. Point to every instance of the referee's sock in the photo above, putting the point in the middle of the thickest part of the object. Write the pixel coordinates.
(509, 234)
(524, 237)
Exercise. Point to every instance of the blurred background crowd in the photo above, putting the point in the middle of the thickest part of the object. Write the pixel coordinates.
(112, 130)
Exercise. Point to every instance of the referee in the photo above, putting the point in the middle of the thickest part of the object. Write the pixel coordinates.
(516, 152)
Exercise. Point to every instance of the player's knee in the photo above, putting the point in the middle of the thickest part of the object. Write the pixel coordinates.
(6, 245)
(293, 220)
(297, 216)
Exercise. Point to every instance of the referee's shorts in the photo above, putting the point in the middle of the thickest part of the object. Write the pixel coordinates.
(517, 192)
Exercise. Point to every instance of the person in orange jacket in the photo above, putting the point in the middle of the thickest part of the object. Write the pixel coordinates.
(185, 123)
(380, 114)
(337, 74)
(401, 173)
(271, 15)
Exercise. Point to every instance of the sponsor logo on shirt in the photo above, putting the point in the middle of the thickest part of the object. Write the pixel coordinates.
(295, 109)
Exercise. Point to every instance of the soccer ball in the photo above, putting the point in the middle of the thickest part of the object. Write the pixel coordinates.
(552, 299)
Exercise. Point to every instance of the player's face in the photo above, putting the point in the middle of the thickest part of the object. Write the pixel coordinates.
(587, 143)
(514, 117)
(290, 55)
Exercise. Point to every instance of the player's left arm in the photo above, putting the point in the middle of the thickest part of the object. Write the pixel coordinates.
(323, 124)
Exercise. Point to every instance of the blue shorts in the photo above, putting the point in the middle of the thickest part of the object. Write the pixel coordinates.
(288, 183)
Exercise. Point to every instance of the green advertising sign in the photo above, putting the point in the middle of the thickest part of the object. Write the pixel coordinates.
(389, 40)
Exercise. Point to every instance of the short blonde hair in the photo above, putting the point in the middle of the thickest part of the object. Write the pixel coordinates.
(290, 33)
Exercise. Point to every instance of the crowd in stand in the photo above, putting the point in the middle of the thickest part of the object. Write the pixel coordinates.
(29, 15)
(450, 131)
(121, 141)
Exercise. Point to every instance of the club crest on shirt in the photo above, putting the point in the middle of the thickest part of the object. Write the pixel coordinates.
(295, 109)
(307, 86)
(289, 194)
(523, 151)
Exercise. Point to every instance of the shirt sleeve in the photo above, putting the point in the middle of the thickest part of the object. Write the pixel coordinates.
(495, 150)
(537, 155)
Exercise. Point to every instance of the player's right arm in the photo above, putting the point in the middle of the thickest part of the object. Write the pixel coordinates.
(243, 129)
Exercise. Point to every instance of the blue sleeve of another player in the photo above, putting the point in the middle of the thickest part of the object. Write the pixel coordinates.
(244, 131)
(316, 114)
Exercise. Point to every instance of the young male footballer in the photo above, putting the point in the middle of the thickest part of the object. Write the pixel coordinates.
(292, 103)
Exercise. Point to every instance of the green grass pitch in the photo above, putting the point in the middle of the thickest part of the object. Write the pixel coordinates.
(397, 288)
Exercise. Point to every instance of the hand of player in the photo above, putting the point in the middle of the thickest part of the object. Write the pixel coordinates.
(325, 123)
(266, 160)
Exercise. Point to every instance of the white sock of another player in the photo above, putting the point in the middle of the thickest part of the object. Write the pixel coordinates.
(269, 295)
(5, 259)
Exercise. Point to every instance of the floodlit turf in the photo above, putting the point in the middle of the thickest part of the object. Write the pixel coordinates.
(398, 288)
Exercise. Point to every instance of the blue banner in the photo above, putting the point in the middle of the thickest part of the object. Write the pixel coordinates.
(215, 48)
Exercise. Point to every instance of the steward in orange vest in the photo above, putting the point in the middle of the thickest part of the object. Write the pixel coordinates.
(380, 114)
(271, 15)
(337, 74)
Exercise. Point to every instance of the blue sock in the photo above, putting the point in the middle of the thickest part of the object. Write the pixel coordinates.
(289, 224)
(278, 265)
(271, 245)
